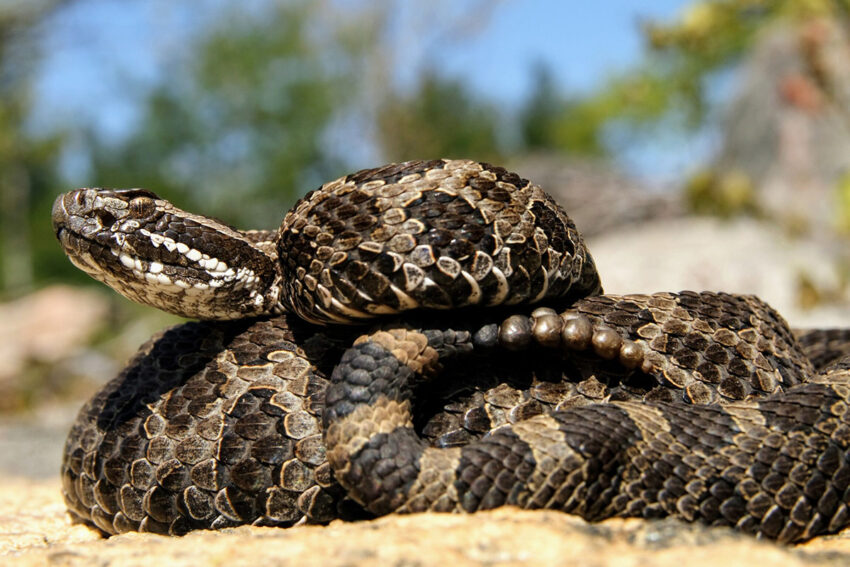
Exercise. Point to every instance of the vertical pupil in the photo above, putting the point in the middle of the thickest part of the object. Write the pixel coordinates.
(139, 206)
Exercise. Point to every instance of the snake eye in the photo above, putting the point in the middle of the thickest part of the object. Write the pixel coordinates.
(141, 206)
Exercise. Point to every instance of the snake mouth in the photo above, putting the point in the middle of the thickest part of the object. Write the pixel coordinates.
(72, 244)
(117, 264)
(106, 237)
(180, 286)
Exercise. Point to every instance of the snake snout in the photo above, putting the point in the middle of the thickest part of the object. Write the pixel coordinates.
(59, 214)
(69, 205)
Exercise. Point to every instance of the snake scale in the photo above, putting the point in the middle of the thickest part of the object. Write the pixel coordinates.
(275, 409)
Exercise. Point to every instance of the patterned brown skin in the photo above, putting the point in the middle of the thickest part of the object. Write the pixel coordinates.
(824, 347)
(437, 234)
(432, 235)
(216, 424)
(210, 425)
(776, 464)
(156, 254)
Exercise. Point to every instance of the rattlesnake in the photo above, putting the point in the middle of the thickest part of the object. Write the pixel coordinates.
(175, 442)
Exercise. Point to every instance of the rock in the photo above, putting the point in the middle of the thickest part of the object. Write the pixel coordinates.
(736, 256)
(42, 330)
(785, 126)
(34, 530)
(33, 517)
(597, 196)
(48, 325)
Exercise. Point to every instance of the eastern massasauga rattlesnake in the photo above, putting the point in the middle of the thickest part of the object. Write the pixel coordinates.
(703, 406)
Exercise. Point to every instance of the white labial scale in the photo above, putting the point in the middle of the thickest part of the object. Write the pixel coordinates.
(216, 279)
(159, 240)
(129, 226)
(244, 277)
(164, 280)
(214, 265)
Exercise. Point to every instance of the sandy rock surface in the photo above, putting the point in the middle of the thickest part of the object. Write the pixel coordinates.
(34, 531)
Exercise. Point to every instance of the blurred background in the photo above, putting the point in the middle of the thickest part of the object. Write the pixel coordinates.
(698, 144)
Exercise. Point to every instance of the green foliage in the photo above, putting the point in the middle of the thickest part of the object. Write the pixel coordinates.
(842, 199)
(540, 113)
(713, 35)
(27, 165)
(27, 184)
(441, 118)
(723, 194)
(240, 124)
(671, 85)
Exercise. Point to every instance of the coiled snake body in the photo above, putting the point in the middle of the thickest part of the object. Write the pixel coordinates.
(698, 405)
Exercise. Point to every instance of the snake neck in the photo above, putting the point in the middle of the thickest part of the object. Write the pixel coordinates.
(156, 254)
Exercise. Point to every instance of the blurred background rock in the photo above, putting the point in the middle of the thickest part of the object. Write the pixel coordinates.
(698, 144)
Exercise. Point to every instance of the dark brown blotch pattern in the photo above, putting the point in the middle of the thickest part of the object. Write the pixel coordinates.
(217, 424)
(776, 467)
(433, 235)
(709, 346)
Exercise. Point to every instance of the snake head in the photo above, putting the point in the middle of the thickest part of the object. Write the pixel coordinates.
(154, 253)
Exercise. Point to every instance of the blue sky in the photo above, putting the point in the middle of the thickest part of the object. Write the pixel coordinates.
(583, 42)
(103, 55)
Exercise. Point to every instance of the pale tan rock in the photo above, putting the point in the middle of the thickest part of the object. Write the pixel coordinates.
(736, 256)
(34, 530)
(32, 516)
(47, 326)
